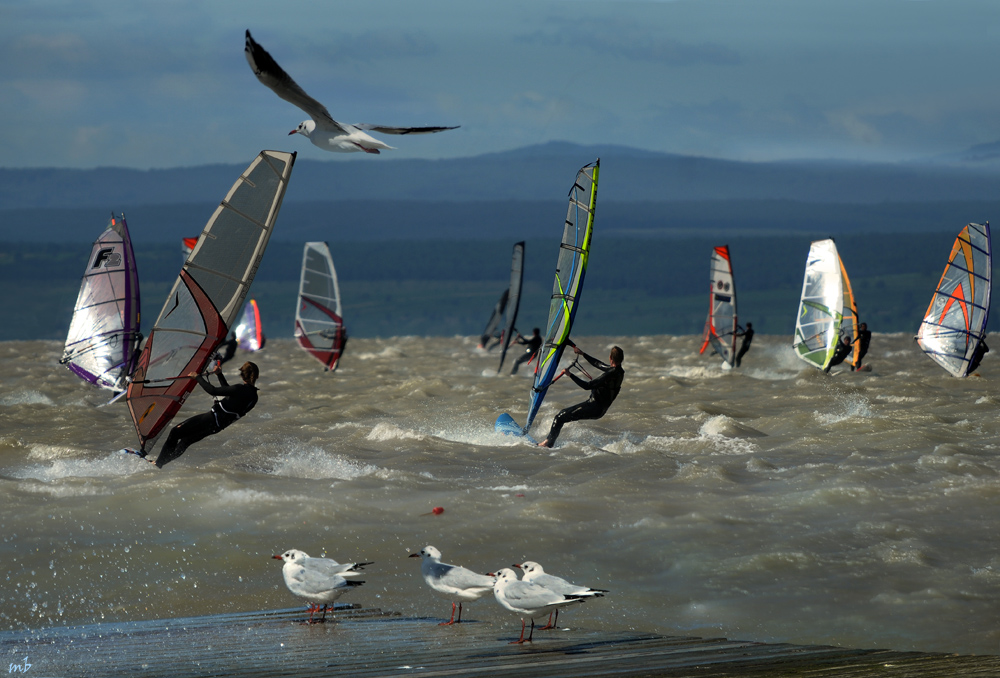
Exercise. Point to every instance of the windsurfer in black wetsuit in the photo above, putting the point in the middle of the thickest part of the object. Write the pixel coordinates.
(531, 348)
(844, 348)
(232, 403)
(977, 357)
(227, 349)
(864, 340)
(603, 391)
(747, 335)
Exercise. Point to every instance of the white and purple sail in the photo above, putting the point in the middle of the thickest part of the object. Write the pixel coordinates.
(103, 339)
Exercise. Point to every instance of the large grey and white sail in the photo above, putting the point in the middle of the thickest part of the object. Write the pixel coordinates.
(208, 294)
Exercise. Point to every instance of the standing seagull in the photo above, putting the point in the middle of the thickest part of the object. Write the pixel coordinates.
(454, 582)
(322, 130)
(534, 573)
(527, 599)
(318, 580)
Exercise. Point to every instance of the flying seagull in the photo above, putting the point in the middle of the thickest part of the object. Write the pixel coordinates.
(322, 130)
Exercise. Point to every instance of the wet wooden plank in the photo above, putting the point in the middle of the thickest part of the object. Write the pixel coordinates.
(370, 643)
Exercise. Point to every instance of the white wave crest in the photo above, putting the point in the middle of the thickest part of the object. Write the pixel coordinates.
(383, 432)
(26, 398)
(317, 463)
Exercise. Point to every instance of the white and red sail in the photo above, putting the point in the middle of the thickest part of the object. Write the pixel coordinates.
(319, 321)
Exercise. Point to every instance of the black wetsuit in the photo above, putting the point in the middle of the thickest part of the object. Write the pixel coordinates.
(532, 345)
(977, 357)
(864, 339)
(842, 351)
(745, 346)
(236, 402)
(603, 391)
(227, 349)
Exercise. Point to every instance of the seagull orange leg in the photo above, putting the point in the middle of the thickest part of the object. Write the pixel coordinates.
(550, 625)
(452, 620)
(521, 639)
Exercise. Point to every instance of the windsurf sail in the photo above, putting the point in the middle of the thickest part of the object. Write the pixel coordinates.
(490, 331)
(249, 333)
(103, 339)
(954, 326)
(827, 309)
(720, 326)
(513, 300)
(208, 294)
(319, 321)
(571, 267)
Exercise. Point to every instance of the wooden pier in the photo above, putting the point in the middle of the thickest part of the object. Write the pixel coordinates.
(361, 643)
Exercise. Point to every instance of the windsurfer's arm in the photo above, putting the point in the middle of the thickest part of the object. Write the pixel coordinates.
(580, 382)
(224, 390)
(599, 364)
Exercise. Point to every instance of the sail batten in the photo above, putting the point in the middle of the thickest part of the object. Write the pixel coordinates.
(208, 294)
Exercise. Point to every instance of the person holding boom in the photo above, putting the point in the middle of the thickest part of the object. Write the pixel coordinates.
(232, 402)
(603, 391)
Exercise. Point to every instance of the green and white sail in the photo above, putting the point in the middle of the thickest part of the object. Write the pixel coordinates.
(827, 310)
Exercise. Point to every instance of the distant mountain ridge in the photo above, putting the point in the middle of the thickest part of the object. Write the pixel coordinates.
(540, 172)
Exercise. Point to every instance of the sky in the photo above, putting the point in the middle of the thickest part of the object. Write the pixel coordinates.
(130, 83)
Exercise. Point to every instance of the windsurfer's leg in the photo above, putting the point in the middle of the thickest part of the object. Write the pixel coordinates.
(739, 356)
(184, 434)
(525, 357)
(584, 410)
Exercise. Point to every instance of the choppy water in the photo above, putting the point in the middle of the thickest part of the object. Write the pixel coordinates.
(772, 503)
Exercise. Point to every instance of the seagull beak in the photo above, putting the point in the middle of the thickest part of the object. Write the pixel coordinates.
(413, 555)
(278, 557)
(292, 132)
(516, 565)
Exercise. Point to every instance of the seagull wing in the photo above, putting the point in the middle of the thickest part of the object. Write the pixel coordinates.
(528, 596)
(314, 582)
(458, 577)
(391, 130)
(274, 77)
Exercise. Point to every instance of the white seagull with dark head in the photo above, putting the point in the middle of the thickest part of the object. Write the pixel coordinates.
(528, 600)
(454, 582)
(318, 580)
(322, 130)
(535, 574)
